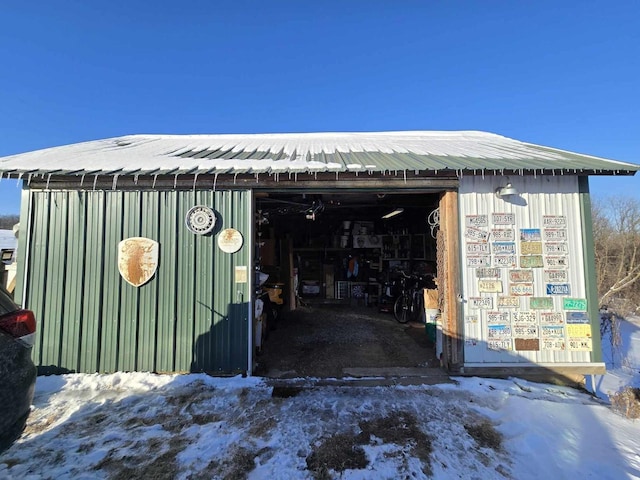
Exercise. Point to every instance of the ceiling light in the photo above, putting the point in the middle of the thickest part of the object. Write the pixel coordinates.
(397, 211)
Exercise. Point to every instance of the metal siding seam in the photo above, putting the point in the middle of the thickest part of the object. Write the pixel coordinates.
(127, 341)
(109, 349)
(93, 292)
(203, 327)
(74, 284)
(184, 329)
(56, 274)
(166, 302)
(148, 293)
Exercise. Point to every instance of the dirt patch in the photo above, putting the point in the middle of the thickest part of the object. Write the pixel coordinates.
(345, 451)
(321, 341)
(338, 453)
(236, 467)
(485, 435)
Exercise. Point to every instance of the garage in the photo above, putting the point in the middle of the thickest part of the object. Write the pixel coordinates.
(159, 252)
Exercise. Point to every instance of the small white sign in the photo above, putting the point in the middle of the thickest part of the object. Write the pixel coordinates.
(230, 240)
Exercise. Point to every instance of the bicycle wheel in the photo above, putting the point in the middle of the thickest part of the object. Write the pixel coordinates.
(402, 308)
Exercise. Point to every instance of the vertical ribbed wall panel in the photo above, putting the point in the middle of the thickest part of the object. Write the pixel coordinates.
(546, 195)
(191, 316)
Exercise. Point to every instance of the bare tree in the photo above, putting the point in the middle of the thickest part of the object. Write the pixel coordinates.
(8, 221)
(616, 228)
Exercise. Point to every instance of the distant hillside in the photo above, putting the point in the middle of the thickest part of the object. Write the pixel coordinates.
(8, 221)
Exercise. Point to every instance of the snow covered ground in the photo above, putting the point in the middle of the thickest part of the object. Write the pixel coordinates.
(137, 425)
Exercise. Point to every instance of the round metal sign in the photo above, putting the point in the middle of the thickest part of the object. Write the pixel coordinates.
(230, 240)
(200, 219)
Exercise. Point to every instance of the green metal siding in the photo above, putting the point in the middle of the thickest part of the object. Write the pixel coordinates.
(590, 273)
(190, 316)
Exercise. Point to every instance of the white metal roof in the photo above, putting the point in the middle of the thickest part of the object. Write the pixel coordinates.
(457, 151)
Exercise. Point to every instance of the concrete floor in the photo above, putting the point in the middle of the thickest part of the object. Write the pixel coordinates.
(338, 341)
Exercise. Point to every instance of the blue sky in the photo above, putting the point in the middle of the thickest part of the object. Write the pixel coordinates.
(562, 74)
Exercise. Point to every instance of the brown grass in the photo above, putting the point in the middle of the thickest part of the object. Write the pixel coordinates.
(339, 453)
(238, 467)
(344, 451)
(485, 434)
(626, 402)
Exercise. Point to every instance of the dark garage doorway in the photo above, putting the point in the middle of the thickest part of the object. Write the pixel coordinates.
(335, 318)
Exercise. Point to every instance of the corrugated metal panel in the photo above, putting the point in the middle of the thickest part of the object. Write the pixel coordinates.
(190, 316)
(380, 152)
(542, 196)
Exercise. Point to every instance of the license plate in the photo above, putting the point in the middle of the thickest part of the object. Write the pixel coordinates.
(508, 302)
(477, 221)
(525, 331)
(556, 248)
(498, 317)
(530, 235)
(578, 317)
(556, 276)
(558, 289)
(500, 345)
(524, 317)
(553, 331)
(502, 248)
(479, 261)
(531, 248)
(541, 303)
(487, 272)
(557, 262)
(490, 286)
(499, 332)
(553, 344)
(476, 234)
(504, 261)
(521, 289)
(580, 344)
(521, 276)
(574, 303)
(552, 318)
(478, 248)
(554, 221)
(557, 234)
(503, 234)
(531, 261)
(503, 218)
(481, 302)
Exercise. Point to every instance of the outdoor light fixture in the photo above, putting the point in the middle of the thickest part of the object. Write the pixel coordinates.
(508, 189)
(316, 207)
(397, 211)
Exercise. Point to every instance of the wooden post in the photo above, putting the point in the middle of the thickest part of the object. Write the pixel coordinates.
(453, 324)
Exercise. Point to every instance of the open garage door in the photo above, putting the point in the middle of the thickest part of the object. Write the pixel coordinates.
(337, 264)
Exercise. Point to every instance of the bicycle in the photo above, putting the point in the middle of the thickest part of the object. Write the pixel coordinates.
(409, 303)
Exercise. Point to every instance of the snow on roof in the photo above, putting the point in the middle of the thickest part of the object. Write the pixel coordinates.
(302, 152)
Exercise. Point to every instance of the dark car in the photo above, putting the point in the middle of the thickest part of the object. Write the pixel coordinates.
(17, 371)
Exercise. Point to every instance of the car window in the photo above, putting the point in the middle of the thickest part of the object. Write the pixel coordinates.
(6, 303)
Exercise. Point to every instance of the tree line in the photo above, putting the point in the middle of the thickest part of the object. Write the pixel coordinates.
(8, 221)
(616, 235)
